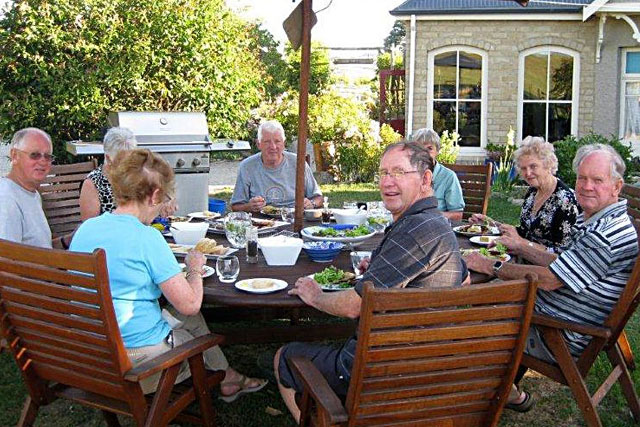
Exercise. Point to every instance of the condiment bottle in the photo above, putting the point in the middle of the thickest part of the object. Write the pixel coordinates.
(252, 245)
(326, 213)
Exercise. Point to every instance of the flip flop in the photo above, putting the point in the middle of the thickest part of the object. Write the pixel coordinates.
(243, 384)
(524, 406)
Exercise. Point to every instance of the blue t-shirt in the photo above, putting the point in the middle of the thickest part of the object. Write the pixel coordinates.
(447, 190)
(138, 260)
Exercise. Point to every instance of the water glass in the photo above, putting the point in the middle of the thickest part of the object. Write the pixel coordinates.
(236, 225)
(228, 268)
(288, 214)
(356, 258)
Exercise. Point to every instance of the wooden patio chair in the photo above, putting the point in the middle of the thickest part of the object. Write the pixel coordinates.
(475, 181)
(609, 338)
(428, 357)
(632, 194)
(57, 315)
(60, 193)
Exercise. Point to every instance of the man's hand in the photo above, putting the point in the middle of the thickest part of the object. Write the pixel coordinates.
(479, 263)
(307, 289)
(364, 265)
(479, 219)
(308, 204)
(255, 204)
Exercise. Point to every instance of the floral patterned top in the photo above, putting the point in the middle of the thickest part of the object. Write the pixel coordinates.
(551, 225)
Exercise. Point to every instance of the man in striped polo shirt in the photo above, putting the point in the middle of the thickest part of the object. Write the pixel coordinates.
(583, 283)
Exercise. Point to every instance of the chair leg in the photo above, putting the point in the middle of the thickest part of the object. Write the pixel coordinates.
(161, 398)
(110, 418)
(29, 413)
(556, 343)
(203, 394)
(617, 358)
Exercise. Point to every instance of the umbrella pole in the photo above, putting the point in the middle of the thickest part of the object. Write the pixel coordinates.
(303, 112)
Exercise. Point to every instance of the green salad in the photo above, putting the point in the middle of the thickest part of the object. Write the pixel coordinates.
(334, 276)
(361, 230)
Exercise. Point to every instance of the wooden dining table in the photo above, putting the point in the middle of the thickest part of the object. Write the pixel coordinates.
(224, 303)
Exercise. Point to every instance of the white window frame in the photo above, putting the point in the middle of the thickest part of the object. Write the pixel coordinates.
(626, 78)
(575, 92)
(483, 97)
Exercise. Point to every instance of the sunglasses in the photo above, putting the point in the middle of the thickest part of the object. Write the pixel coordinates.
(35, 155)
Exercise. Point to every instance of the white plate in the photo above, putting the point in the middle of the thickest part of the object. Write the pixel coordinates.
(504, 258)
(333, 286)
(183, 249)
(460, 230)
(217, 226)
(204, 215)
(245, 285)
(208, 271)
(483, 240)
(308, 233)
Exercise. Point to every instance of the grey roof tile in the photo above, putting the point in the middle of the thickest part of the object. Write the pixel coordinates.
(436, 7)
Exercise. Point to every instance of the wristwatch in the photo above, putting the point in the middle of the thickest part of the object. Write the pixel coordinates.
(497, 266)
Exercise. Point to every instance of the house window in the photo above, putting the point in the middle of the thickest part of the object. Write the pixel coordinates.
(548, 93)
(630, 96)
(457, 93)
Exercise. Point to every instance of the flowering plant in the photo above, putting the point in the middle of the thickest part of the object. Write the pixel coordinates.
(505, 176)
(449, 147)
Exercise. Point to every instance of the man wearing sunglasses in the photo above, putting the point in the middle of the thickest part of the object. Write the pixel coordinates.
(22, 219)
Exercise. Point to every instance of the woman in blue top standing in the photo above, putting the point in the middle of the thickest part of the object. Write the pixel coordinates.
(142, 268)
(446, 187)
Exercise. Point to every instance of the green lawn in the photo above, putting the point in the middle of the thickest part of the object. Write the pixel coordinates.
(555, 404)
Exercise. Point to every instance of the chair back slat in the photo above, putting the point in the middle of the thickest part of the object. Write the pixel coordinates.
(63, 185)
(632, 194)
(438, 356)
(56, 309)
(475, 181)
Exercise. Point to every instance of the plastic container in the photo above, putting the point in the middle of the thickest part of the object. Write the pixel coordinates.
(188, 233)
(280, 250)
(350, 216)
(217, 205)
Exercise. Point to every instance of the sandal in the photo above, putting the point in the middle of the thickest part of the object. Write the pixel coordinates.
(243, 388)
(524, 406)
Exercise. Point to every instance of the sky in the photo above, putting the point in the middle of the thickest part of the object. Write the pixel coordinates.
(345, 23)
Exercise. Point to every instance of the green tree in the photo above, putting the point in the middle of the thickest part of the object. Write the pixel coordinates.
(320, 73)
(396, 36)
(65, 63)
(276, 79)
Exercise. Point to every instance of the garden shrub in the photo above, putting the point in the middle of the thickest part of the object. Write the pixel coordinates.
(449, 148)
(64, 64)
(566, 150)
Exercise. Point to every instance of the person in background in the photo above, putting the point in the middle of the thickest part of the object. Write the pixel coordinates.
(269, 177)
(22, 219)
(419, 250)
(446, 186)
(583, 283)
(142, 268)
(96, 195)
(549, 210)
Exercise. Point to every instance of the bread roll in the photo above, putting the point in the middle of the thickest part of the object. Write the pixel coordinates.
(261, 284)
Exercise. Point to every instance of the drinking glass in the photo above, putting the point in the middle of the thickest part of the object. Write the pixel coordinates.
(356, 258)
(236, 225)
(288, 214)
(227, 268)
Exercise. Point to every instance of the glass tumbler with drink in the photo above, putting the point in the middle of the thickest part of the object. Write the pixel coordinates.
(288, 214)
(236, 225)
(228, 268)
(356, 259)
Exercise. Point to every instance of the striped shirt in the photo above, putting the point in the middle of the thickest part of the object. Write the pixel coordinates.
(594, 271)
(419, 250)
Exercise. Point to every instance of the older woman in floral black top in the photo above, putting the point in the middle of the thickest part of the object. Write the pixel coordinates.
(550, 208)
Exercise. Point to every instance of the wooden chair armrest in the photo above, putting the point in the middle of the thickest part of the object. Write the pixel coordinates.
(173, 357)
(319, 389)
(554, 322)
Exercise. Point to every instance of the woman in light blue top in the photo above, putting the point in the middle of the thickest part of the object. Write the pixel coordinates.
(446, 187)
(142, 268)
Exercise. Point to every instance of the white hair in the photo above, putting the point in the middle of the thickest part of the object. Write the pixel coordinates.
(20, 137)
(270, 126)
(617, 166)
(538, 147)
(118, 139)
(426, 136)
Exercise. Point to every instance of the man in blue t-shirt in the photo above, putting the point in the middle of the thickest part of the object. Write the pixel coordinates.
(269, 177)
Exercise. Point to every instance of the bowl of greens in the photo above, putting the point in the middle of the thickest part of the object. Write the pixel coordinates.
(343, 233)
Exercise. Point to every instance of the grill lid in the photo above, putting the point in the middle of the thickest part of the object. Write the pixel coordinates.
(160, 127)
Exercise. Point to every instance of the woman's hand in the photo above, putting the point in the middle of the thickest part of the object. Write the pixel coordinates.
(169, 208)
(194, 261)
(510, 238)
(479, 219)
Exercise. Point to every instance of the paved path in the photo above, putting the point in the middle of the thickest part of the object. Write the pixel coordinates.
(222, 174)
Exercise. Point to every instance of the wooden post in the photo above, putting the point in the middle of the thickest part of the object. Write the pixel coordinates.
(303, 112)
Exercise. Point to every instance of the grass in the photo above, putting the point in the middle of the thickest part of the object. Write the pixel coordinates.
(555, 405)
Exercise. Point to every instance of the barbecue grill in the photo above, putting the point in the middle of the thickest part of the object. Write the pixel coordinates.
(182, 139)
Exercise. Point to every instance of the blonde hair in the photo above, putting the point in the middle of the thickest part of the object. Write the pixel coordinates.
(138, 173)
(538, 147)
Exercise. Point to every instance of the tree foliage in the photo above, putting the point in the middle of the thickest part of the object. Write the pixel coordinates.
(65, 63)
(320, 73)
(396, 36)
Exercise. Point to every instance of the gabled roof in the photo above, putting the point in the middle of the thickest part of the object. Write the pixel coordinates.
(459, 7)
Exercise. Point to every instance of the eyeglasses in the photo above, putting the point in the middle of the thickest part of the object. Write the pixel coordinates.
(35, 155)
(395, 174)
